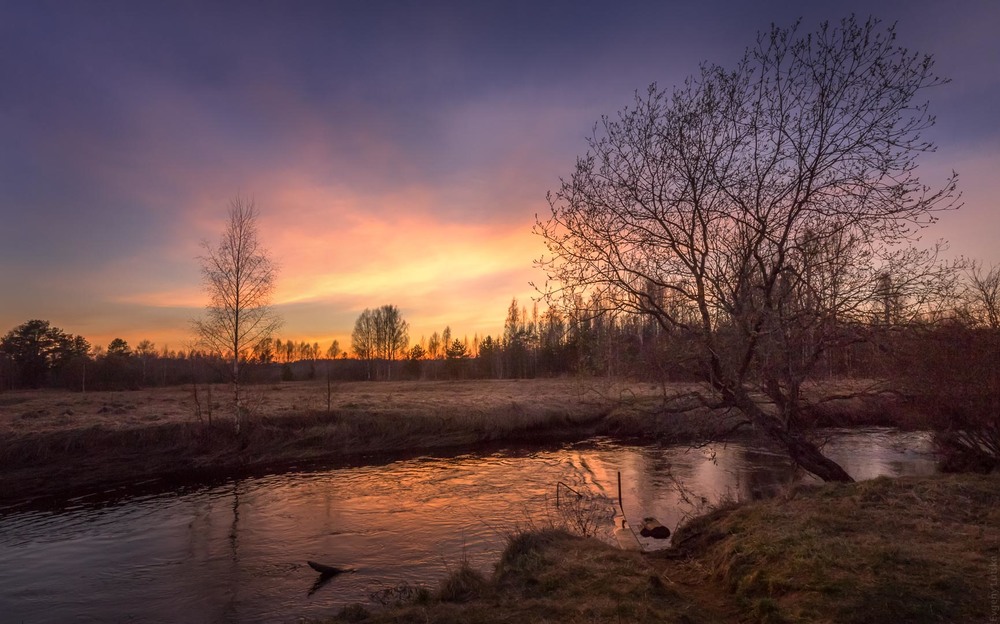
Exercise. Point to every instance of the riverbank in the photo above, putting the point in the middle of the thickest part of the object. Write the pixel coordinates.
(58, 444)
(918, 550)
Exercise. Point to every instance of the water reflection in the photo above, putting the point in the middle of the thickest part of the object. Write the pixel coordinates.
(237, 551)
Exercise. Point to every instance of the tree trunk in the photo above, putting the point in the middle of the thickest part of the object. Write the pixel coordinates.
(808, 456)
(236, 393)
(803, 452)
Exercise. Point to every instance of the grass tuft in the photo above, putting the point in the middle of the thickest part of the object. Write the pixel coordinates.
(524, 553)
(461, 585)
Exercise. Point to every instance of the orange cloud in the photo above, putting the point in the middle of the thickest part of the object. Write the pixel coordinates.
(340, 251)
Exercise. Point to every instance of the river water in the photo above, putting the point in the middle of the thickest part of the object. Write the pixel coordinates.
(237, 552)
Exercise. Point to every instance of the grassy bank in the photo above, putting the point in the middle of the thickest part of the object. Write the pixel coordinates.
(59, 443)
(916, 550)
(53, 443)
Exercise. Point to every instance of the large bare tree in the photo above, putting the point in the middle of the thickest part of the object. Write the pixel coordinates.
(239, 278)
(759, 213)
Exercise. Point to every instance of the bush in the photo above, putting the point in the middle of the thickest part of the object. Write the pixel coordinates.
(952, 374)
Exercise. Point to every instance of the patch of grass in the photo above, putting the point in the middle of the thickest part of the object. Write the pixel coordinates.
(553, 576)
(524, 555)
(915, 550)
(908, 549)
(353, 613)
(398, 595)
(461, 585)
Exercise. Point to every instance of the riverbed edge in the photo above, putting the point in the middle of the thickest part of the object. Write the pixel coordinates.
(57, 465)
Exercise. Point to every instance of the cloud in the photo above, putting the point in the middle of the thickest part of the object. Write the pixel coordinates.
(398, 155)
(338, 256)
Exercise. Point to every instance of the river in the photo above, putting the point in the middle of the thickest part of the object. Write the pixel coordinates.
(237, 551)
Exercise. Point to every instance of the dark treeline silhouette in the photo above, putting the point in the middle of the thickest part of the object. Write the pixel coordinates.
(36, 354)
(585, 341)
(582, 343)
(588, 339)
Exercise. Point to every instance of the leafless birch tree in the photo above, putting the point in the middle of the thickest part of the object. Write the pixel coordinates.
(239, 279)
(759, 212)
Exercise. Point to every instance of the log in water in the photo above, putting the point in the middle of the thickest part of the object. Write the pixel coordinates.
(327, 570)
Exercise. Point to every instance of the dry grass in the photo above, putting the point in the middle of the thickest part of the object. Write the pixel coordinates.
(462, 585)
(58, 443)
(916, 550)
(912, 550)
(36, 411)
(55, 410)
(552, 576)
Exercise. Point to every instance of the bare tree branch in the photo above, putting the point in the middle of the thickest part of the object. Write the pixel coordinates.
(764, 213)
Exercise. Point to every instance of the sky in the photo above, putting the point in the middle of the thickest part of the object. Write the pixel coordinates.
(398, 152)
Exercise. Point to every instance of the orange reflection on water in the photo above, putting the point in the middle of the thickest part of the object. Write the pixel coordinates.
(238, 551)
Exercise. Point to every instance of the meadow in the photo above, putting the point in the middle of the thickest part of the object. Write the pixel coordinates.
(58, 443)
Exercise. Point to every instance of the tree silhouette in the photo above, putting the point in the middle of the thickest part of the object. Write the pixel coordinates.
(334, 351)
(434, 346)
(118, 348)
(983, 295)
(239, 279)
(753, 212)
(380, 334)
(445, 340)
(457, 350)
(37, 349)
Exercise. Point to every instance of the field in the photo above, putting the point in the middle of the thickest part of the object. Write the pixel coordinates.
(55, 443)
(53, 410)
(62, 443)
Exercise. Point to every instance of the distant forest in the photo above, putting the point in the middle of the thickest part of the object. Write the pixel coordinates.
(588, 341)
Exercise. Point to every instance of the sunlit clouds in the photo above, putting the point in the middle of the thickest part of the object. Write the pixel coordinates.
(397, 153)
(339, 254)
(437, 272)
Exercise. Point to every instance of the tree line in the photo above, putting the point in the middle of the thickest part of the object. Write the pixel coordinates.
(588, 338)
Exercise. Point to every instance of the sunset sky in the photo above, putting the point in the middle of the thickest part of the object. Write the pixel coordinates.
(398, 151)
